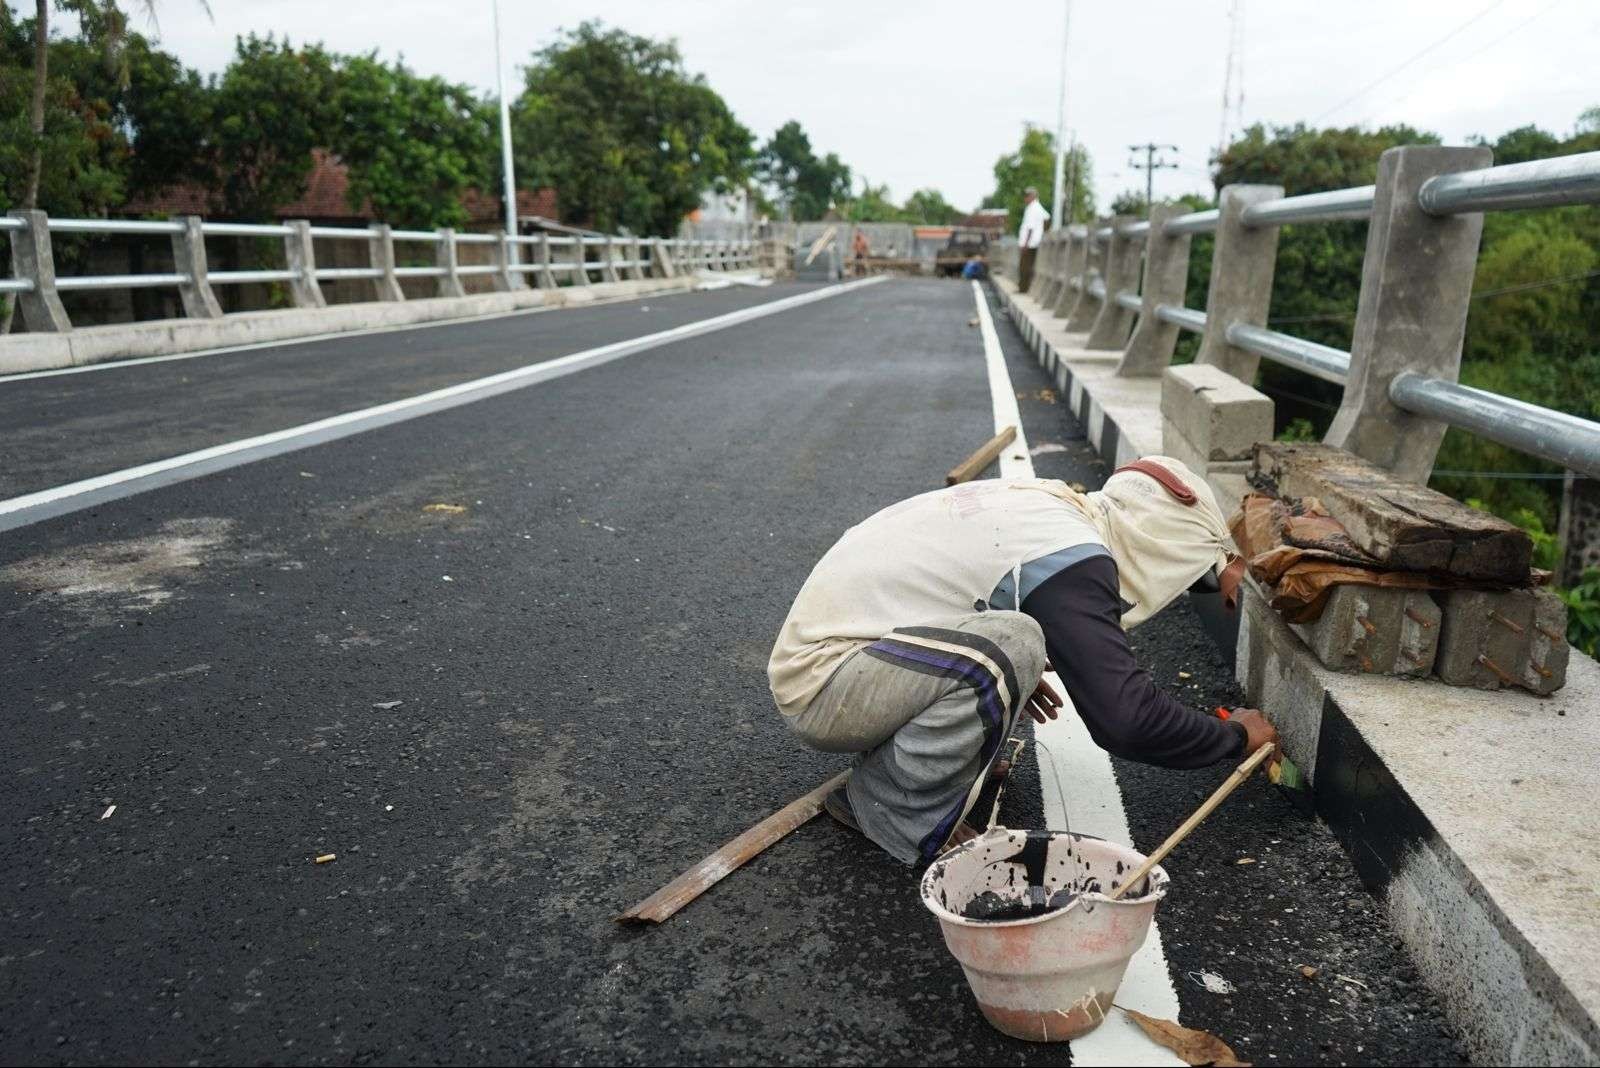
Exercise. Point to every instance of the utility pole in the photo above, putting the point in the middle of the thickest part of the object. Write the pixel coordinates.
(1232, 79)
(1061, 122)
(1150, 166)
(1072, 177)
(505, 142)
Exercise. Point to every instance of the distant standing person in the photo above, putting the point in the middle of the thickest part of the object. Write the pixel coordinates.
(861, 249)
(1034, 221)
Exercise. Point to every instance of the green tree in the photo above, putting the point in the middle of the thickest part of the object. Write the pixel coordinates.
(626, 134)
(872, 205)
(1034, 163)
(414, 145)
(76, 161)
(806, 184)
(930, 208)
(272, 106)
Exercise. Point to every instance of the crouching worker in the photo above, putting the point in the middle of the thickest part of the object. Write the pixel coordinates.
(923, 633)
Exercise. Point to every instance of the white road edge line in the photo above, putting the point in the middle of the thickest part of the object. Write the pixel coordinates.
(1088, 786)
(331, 335)
(44, 504)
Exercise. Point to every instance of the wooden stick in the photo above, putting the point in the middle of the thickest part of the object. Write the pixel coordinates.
(973, 465)
(1240, 774)
(710, 871)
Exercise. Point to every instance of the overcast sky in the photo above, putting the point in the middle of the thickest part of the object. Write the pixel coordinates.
(930, 93)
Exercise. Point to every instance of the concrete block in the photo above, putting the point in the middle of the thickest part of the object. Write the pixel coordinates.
(1494, 639)
(1375, 631)
(1219, 415)
(1177, 446)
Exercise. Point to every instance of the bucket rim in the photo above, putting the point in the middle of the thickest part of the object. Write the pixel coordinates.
(1158, 882)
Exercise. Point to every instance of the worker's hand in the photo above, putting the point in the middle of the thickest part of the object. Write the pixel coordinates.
(1044, 702)
(1258, 732)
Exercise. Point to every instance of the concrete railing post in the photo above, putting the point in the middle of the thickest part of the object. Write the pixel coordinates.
(1077, 259)
(504, 278)
(1087, 307)
(544, 277)
(189, 260)
(1166, 279)
(33, 260)
(1242, 263)
(636, 266)
(608, 260)
(380, 254)
(580, 257)
(1044, 289)
(299, 256)
(1416, 285)
(445, 256)
(661, 265)
(1113, 323)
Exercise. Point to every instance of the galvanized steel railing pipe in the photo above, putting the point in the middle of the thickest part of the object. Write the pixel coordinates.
(1542, 183)
(1183, 318)
(1564, 439)
(1130, 300)
(1196, 222)
(1355, 203)
(1326, 363)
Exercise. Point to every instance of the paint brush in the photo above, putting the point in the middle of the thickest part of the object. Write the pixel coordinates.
(1284, 775)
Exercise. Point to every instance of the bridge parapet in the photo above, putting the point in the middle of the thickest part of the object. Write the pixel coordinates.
(553, 260)
(1427, 785)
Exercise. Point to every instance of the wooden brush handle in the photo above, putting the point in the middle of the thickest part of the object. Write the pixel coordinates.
(1240, 774)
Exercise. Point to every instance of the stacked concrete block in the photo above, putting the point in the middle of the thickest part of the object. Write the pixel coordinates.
(1493, 639)
(1375, 631)
(1212, 422)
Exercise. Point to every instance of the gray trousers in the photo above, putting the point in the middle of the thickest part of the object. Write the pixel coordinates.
(927, 710)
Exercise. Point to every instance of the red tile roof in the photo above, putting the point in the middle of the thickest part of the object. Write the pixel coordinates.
(326, 199)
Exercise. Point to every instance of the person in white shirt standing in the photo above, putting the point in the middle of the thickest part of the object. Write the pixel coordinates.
(1035, 218)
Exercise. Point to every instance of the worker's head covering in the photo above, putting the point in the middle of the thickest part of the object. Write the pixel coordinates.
(1163, 527)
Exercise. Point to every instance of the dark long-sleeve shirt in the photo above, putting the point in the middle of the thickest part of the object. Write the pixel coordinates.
(1127, 714)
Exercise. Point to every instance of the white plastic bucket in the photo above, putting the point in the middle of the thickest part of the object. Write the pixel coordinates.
(1051, 977)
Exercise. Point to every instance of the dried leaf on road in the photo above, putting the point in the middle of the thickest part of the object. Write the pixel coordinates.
(1194, 1047)
(448, 509)
(1308, 971)
(326, 857)
(1245, 860)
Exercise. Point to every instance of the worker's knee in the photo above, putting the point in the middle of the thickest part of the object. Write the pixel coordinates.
(1018, 638)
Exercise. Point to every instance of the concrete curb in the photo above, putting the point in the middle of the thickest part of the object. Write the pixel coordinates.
(164, 337)
(1469, 812)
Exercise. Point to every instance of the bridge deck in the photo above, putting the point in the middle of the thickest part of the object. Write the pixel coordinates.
(578, 659)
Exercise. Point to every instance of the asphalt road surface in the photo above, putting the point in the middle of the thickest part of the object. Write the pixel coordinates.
(512, 716)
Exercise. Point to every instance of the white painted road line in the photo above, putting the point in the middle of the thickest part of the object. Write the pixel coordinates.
(1088, 790)
(44, 504)
(331, 335)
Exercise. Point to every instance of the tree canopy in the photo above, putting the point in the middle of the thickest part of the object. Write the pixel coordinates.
(1034, 163)
(807, 185)
(628, 136)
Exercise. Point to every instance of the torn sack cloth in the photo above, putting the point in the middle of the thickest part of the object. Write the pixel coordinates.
(919, 636)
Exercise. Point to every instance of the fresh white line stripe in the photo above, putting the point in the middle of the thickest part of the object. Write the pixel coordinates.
(32, 507)
(1088, 787)
(331, 335)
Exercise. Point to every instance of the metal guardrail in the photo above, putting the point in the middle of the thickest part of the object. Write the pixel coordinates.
(554, 259)
(1545, 433)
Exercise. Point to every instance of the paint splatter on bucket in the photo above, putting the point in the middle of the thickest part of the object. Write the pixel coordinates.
(1052, 975)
